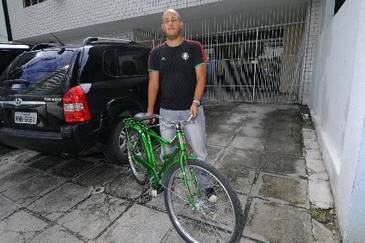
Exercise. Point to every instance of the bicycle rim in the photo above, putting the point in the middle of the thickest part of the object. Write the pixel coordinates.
(135, 147)
(209, 222)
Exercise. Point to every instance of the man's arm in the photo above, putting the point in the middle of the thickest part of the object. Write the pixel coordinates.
(153, 86)
(201, 72)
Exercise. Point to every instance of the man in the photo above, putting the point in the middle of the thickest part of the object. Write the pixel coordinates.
(177, 69)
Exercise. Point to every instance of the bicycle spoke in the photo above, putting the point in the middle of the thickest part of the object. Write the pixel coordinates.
(215, 221)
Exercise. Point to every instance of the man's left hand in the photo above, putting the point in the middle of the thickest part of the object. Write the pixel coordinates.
(194, 110)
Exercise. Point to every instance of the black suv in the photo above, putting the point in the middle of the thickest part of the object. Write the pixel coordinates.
(66, 99)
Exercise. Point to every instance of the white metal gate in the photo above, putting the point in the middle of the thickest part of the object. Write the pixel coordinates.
(254, 56)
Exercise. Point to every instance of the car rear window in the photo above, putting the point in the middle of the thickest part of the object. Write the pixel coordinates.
(38, 72)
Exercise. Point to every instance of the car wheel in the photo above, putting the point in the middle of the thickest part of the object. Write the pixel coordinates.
(116, 151)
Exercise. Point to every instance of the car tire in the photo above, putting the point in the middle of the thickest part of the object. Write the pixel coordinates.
(116, 151)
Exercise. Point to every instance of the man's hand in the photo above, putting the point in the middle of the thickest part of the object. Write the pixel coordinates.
(194, 110)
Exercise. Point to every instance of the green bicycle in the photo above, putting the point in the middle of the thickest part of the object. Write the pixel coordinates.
(183, 180)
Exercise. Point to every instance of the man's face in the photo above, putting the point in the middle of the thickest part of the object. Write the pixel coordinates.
(171, 25)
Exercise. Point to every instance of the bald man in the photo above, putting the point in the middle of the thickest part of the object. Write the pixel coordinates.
(177, 69)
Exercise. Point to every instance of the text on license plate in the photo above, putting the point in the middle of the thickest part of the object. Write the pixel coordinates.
(25, 117)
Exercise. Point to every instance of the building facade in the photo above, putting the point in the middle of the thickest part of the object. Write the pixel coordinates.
(3, 32)
(337, 106)
(259, 51)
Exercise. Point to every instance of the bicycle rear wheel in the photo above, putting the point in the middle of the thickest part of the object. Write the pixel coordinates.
(135, 148)
(220, 221)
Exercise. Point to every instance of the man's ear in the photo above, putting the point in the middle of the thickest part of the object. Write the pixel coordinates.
(181, 24)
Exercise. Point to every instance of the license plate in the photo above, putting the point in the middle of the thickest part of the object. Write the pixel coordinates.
(25, 117)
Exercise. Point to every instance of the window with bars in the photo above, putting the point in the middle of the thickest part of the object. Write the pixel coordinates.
(338, 4)
(28, 3)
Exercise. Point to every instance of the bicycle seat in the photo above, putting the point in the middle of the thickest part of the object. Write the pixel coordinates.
(143, 117)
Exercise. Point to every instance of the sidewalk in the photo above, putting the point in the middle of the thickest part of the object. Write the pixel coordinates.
(269, 154)
(272, 158)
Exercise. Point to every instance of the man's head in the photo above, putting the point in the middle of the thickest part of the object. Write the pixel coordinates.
(171, 24)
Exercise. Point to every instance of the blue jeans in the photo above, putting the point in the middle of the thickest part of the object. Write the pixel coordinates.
(194, 132)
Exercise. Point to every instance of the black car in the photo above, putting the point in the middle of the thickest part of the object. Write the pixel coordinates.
(66, 99)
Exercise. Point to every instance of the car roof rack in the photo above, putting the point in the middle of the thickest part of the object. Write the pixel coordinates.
(89, 40)
(44, 45)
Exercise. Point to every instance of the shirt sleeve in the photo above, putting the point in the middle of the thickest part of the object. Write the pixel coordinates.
(199, 56)
(153, 61)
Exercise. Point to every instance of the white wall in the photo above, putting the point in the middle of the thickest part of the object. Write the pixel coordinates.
(60, 15)
(338, 105)
(3, 33)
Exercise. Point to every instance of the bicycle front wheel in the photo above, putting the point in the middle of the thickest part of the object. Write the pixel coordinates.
(199, 219)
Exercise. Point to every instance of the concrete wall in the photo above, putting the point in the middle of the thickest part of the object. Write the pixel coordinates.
(338, 108)
(60, 15)
(3, 33)
(310, 42)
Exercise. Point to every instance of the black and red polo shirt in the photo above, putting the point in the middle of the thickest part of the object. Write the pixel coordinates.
(176, 66)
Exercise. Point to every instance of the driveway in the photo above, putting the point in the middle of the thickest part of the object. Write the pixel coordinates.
(262, 149)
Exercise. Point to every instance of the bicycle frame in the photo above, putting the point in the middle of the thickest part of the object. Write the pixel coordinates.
(147, 135)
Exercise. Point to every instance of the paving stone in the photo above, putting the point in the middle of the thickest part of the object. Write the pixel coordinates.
(173, 237)
(214, 152)
(285, 134)
(313, 154)
(59, 201)
(243, 201)
(20, 227)
(311, 144)
(282, 125)
(20, 155)
(315, 166)
(94, 215)
(283, 164)
(284, 147)
(309, 134)
(281, 189)
(241, 158)
(158, 202)
(45, 162)
(6, 207)
(322, 234)
(255, 123)
(125, 186)
(240, 177)
(100, 175)
(56, 234)
(319, 190)
(284, 140)
(33, 188)
(138, 224)
(253, 132)
(247, 143)
(220, 135)
(71, 168)
(16, 177)
(247, 240)
(270, 222)
(9, 166)
(319, 177)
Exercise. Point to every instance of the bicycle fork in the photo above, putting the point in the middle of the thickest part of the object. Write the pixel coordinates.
(192, 188)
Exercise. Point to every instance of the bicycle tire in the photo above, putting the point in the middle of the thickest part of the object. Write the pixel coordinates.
(178, 220)
(139, 172)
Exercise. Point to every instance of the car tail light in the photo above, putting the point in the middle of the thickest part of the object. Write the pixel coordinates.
(75, 106)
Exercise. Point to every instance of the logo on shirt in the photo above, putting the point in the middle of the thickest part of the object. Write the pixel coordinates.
(163, 59)
(185, 56)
